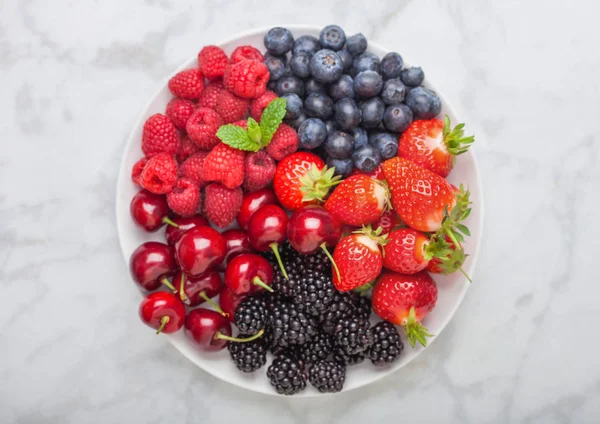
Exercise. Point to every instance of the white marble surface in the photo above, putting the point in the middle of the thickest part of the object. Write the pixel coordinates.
(74, 76)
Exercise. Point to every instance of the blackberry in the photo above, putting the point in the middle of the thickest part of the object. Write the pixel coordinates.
(352, 335)
(387, 345)
(342, 306)
(343, 358)
(271, 299)
(287, 287)
(317, 349)
(327, 376)
(248, 356)
(363, 307)
(316, 292)
(291, 326)
(318, 261)
(251, 315)
(287, 375)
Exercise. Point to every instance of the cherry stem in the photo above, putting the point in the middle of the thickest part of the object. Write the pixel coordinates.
(220, 336)
(275, 248)
(465, 274)
(163, 322)
(167, 220)
(184, 297)
(337, 271)
(257, 281)
(167, 283)
(204, 296)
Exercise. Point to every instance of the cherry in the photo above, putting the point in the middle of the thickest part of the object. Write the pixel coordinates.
(162, 311)
(228, 302)
(311, 228)
(150, 265)
(237, 243)
(248, 273)
(200, 249)
(266, 229)
(183, 224)
(150, 211)
(200, 289)
(210, 331)
(253, 202)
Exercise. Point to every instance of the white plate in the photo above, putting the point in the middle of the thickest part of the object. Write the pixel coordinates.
(451, 288)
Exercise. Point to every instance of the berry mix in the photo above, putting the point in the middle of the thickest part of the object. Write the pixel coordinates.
(305, 187)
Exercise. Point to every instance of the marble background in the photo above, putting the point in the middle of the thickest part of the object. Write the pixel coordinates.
(74, 75)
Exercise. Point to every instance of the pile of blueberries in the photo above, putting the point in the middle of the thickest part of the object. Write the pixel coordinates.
(345, 102)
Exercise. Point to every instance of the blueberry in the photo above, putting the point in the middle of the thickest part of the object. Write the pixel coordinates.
(272, 85)
(367, 84)
(330, 126)
(391, 65)
(424, 103)
(397, 118)
(393, 91)
(372, 112)
(347, 59)
(312, 86)
(318, 106)
(326, 66)
(366, 158)
(332, 37)
(279, 40)
(342, 167)
(307, 44)
(293, 105)
(386, 143)
(344, 87)
(295, 123)
(312, 133)
(283, 57)
(360, 137)
(276, 67)
(356, 44)
(347, 114)
(299, 64)
(339, 145)
(365, 62)
(413, 77)
(290, 84)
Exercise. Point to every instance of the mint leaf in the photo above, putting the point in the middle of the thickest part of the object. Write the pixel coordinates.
(237, 138)
(254, 131)
(271, 119)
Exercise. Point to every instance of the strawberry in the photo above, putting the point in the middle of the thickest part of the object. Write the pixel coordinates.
(377, 173)
(405, 251)
(405, 300)
(448, 259)
(225, 165)
(222, 205)
(432, 144)
(187, 84)
(388, 221)
(358, 259)
(302, 179)
(358, 200)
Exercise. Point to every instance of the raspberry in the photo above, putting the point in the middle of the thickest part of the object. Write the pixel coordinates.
(187, 84)
(260, 103)
(242, 123)
(179, 111)
(137, 169)
(222, 205)
(159, 135)
(202, 127)
(230, 107)
(184, 199)
(186, 148)
(210, 94)
(246, 53)
(160, 174)
(259, 170)
(193, 168)
(283, 143)
(247, 79)
(225, 165)
(212, 61)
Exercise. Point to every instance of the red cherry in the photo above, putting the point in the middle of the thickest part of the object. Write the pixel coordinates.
(237, 243)
(267, 228)
(150, 211)
(248, 273)
(162, 311)
(200, 249)
(200, 289)
(228, 302)
(253, 202)
(150, 265)
(210, 331)
(183, 224)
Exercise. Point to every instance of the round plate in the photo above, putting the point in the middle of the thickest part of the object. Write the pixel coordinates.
(452, 288)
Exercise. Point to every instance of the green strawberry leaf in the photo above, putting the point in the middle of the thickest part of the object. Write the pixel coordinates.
(237, 138)
(271, 119)
(254, 131)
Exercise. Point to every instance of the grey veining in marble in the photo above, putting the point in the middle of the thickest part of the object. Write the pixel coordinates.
(523, 348)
